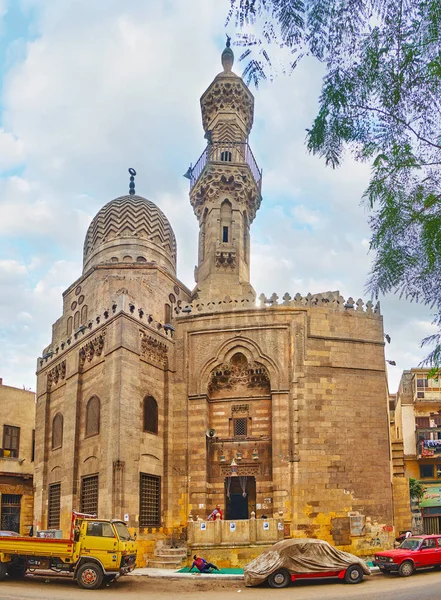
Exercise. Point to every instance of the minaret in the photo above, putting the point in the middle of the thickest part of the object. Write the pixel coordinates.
(225, 186)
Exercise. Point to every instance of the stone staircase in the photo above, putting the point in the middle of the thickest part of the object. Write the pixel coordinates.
(168, 558)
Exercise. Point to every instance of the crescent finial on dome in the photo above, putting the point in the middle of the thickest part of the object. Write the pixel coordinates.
(227, 57)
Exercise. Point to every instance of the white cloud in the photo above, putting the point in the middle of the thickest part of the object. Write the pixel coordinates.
(107, 85)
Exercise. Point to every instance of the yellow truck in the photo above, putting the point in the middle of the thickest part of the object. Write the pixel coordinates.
(97, 551)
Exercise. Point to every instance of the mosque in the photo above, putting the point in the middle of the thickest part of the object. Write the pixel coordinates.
(156, 403)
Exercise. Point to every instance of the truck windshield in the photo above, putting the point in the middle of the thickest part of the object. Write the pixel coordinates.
(410, 544)
(123, 532)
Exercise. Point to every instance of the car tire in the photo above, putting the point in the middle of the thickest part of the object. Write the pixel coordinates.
(354, 574)
(437, 567)
(3, 570)
(16, 571)
(279, 579)
(406, 569)
(90, 576)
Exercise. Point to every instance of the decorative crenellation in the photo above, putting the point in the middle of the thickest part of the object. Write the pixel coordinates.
(330, 300)
(56, 373)
(153, 349)
(92, 348)
(121, 305)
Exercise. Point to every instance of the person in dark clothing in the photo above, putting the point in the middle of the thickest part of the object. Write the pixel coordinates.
(203, 566)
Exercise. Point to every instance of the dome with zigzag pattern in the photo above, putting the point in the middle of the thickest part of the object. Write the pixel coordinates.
(130, 229)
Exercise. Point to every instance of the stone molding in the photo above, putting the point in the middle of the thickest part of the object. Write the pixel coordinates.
(153, 349)
(227, 94)
(56, 373)
(225, 259)
(219, 180)
(92, 348)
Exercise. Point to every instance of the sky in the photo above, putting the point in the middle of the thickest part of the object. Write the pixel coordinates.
(88, 89)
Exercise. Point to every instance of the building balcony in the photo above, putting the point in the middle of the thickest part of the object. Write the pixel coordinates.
(235, 153)
(428, 442)
(427, 396)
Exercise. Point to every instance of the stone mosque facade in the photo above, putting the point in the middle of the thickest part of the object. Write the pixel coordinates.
(155, 403)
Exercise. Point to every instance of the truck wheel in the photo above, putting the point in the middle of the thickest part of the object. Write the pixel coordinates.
(279, 579)
(90, 576)
(354, 574)
(406, 569)
(16, 571)
(3, 570)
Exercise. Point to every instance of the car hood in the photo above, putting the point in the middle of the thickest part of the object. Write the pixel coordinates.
(394, 553)
(299, 556)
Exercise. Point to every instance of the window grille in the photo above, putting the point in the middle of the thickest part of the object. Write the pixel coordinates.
(240, 427)
(10, 512)
(11, 441)
(150, 415)
(93, 417)
(57, 431)
(226, 156)
(89, 495)
(53, 514)
(426, 471)
(149, 500)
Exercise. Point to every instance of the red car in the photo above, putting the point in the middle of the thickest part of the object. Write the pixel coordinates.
(415, 552)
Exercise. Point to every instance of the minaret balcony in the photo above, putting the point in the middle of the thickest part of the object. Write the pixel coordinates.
(225, 152)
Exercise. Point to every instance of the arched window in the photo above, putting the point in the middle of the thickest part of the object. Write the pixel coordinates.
(226, 156)
(226, 216)
(57, 431)
(93, 416)
(150, 415)
(167, 314)
(84, 314)
(69, 325)
(246, 233)
(76, 320)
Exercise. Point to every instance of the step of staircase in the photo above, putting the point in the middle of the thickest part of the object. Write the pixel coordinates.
(165, 563)
(172, 552)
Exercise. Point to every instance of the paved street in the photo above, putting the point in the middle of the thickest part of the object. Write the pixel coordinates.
(422, 586)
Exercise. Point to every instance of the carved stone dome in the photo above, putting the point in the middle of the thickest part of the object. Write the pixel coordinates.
(130, 229)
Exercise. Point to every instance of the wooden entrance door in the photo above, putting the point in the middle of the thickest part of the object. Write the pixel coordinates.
(240, 498)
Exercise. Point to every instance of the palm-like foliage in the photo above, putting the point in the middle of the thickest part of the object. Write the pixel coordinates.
(381, 100)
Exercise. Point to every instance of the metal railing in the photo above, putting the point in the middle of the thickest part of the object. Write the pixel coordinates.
(226, 152)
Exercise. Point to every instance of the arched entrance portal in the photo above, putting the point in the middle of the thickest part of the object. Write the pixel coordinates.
(240, 497)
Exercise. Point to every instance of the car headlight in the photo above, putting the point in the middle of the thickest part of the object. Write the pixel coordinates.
(390, 560)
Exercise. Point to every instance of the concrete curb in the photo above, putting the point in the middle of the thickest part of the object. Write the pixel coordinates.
(168, 573)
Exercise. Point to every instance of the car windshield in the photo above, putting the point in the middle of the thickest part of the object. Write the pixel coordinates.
(410, 544)
(123, 532)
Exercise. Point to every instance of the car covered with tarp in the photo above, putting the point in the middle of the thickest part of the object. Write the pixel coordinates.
(303, 558)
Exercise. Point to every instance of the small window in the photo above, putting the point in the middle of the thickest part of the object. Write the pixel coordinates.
(150, 415)
(11, 441)
(57, 431)
(225, 234)
(426, 471)
(53, 513)
(93, 417)
(33, 446)
(240, 427)
(168, 314)
(100, 530)
(226, 156)
(422, 383)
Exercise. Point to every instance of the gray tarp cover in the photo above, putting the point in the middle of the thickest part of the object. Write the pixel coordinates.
(299, 556)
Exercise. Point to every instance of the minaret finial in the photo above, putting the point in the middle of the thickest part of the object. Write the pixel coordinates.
(132, 181)
(227, 56)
